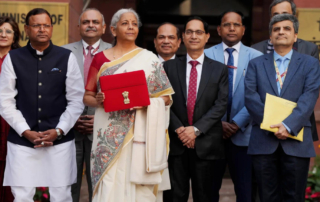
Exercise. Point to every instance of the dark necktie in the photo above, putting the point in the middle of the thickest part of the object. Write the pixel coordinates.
(87, 62)
(231, 68)
(192, 91)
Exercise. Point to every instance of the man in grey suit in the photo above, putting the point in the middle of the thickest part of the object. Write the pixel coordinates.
(91, 27)
(301, 46)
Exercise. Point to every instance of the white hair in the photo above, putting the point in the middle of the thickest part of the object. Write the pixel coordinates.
(116, 17)
(92, 9)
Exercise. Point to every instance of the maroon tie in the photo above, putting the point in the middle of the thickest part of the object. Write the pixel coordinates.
(192, 91)
(87, 62)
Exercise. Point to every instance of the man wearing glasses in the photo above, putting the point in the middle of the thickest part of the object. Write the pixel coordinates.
(236, 122)
(195, 130)
(41, 91)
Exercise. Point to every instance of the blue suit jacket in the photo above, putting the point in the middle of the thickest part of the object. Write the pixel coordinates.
(239, 113)
(301, 85)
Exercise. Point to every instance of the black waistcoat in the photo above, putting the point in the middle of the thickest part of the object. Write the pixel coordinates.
(41, 86)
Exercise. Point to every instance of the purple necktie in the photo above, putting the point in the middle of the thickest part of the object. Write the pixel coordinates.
(87, 62)
(192, 91)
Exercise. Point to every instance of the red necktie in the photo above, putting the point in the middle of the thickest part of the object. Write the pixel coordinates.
(192, 91)
(87, 62)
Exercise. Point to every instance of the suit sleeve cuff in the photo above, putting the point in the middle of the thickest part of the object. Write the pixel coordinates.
(288, 129)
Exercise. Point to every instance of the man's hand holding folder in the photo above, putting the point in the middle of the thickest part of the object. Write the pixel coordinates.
(276, 110)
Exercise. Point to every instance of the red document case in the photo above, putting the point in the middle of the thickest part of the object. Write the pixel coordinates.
(124, 91)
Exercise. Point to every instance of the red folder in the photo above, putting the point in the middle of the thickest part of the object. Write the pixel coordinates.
(124, 91)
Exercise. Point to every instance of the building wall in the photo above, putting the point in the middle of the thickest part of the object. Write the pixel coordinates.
(75, 8)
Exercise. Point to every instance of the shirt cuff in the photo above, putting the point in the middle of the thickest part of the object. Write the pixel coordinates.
(196, 131)
(288, 129)
(64, 127)
(21, 127)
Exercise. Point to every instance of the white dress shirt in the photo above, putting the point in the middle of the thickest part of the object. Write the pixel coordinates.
(199, 70)
(162, 60)
(94, 46)
(235, 54)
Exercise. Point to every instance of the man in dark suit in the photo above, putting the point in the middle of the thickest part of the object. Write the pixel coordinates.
(199, 103)
(305, 47)
(281, 164)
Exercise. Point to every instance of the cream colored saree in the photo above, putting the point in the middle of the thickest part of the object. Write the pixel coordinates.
(112, 158)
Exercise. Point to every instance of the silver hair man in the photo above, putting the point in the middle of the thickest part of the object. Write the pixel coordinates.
(90, 9)
(283, 17)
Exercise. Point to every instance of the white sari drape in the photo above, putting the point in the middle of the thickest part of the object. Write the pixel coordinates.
(112, 149)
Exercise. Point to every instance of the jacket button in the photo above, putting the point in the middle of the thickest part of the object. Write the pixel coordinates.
(40, 84)
(39, 109)
(39, 96)
(40, 59)
(40, 71)
(39, 121)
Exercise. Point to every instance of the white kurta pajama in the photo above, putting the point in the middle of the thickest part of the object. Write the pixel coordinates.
(53, 166)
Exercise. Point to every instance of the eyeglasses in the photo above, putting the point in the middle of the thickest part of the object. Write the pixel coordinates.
(190, 32)
(38, 26)
(7, 31)
(228, 25)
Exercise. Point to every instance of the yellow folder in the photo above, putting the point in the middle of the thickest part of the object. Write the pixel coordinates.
(276, 109)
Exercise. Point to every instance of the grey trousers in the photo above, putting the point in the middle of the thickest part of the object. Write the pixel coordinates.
(83, 150)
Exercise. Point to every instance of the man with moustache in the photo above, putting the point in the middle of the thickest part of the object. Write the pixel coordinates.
(236, 122)
(195, 130)
(281, 164)
(41, 92)
(167, 41)
(91, 27)
(305, 47)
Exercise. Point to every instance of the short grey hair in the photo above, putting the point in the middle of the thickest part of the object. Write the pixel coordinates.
(92, 9)
(116, 17)
(282, 17)
(275, 2)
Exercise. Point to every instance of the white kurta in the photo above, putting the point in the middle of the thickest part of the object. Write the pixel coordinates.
(53, 166)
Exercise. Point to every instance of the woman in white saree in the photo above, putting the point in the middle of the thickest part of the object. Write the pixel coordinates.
(130, 147)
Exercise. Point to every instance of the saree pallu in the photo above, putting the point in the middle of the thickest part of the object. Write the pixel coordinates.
(111, 154)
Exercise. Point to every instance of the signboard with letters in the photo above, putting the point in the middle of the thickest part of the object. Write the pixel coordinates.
(59, 14)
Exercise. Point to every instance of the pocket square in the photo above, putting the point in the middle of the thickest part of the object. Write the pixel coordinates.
(54, 69)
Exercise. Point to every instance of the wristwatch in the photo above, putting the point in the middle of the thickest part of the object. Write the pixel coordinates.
(59, 134)
(196, 131)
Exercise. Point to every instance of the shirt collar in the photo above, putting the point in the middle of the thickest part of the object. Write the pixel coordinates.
(162, 60)
(236, 47)
(199, 59)
(38, 52)
(94, 46)
(277, 56)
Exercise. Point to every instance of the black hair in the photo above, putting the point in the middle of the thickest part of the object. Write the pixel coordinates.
(275, 2)
(205, 24)
(37, 11)
(232, 11)
(15, 27)
(169, 23)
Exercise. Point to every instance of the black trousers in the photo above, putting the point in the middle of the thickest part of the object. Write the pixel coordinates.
(280, 177)
(205, 175)
(240, 168)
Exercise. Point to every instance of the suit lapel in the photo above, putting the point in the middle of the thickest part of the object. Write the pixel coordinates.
(78, 51)
(182, 73)
(242, 61)
(205, 75)
(218, 53)
(292, 69)
(271, 72)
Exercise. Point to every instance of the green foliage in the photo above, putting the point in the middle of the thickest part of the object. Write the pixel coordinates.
(313, 183)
